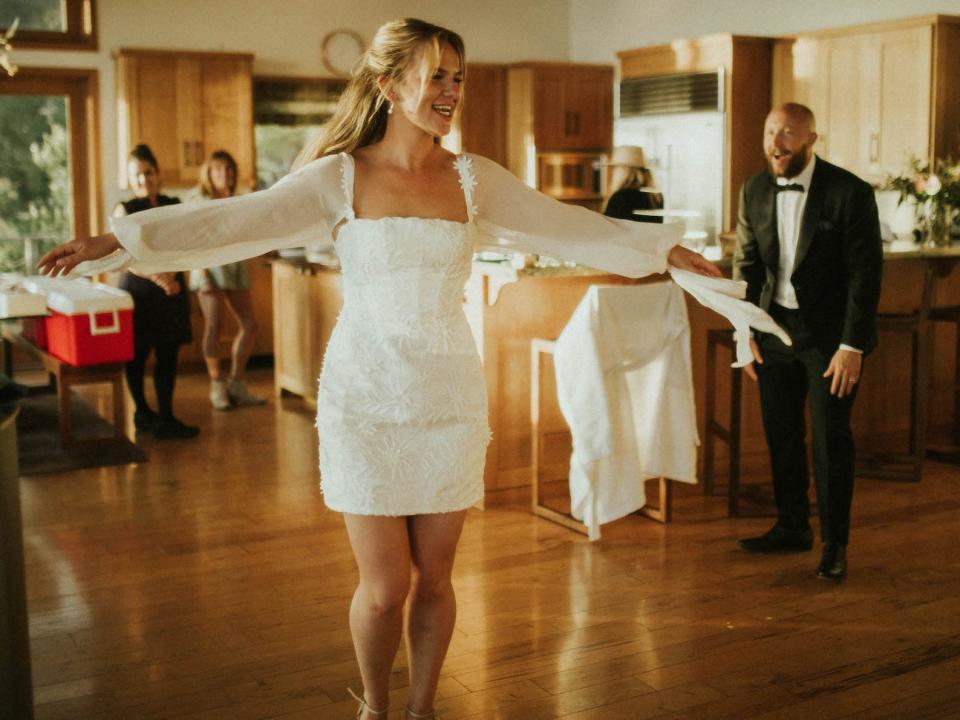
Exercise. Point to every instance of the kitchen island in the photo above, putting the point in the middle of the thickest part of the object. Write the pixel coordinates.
(507, 307)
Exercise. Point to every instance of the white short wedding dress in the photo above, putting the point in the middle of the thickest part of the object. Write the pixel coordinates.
(402, 408)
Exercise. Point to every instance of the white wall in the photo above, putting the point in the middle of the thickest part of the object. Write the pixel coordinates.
(600, 28)
(285, 37)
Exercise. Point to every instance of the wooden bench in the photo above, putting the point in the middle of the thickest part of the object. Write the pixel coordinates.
(66, 377)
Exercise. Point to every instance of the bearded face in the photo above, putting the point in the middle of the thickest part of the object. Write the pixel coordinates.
(787, 143)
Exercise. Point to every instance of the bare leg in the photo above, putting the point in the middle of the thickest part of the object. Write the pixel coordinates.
(433, 607)
(212, 304)
(241, 306)
(381, 548)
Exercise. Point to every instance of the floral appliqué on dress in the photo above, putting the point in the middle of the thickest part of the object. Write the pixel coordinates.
(402, 408)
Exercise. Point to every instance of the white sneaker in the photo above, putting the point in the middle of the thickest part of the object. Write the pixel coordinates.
(219, 397)
(239, 394)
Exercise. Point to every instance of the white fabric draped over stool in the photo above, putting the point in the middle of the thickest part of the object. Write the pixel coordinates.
(625, 388)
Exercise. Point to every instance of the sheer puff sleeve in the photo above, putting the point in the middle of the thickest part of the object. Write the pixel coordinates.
(303, 207)
(515, 217)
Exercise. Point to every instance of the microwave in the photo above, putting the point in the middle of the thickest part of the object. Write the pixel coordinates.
(571, 176)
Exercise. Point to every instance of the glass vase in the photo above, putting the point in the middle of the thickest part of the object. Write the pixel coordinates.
(938, 225)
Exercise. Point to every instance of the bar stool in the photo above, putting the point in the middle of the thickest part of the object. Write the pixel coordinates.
(714, 432)
(539, 348)
(908, 466)
(950, 314)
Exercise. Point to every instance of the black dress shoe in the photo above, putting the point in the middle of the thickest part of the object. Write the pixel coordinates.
(146, 420)
(779, 539)
(173, 429)
(833, 563)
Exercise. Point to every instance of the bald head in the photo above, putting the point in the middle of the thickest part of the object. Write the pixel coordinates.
(799, 114)
(789, 134)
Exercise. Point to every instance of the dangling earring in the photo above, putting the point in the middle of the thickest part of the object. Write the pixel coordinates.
(390, 109)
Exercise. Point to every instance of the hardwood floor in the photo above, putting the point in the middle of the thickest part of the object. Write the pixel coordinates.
(211, 583)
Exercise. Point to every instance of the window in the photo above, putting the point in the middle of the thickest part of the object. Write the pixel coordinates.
(51, 24)
(287, 114)
(49, 164)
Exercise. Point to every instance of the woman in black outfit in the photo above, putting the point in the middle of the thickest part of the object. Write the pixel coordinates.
(632, 185)
(161, 313)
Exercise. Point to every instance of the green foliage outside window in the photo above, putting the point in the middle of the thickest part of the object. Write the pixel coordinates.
(34, 14)
(35, 189)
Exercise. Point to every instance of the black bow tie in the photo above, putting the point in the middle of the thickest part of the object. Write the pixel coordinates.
(791, 186)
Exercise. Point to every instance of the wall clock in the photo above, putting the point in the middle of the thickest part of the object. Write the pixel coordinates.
(340, 50)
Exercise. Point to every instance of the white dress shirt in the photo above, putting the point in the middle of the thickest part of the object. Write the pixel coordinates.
(790, 205)
(625, 387)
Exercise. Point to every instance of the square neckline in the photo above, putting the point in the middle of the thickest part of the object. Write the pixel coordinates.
(461, 164)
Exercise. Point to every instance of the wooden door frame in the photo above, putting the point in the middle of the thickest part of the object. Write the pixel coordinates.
(81, 86)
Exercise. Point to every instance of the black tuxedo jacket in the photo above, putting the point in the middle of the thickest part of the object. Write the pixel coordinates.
(839, 260)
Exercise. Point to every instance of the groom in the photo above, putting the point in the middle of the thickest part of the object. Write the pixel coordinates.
(808, 245)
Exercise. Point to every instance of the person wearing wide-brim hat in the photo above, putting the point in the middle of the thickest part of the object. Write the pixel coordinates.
(632, 186)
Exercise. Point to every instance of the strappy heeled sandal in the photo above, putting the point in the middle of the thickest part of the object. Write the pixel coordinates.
(365, 706)
(432, 715)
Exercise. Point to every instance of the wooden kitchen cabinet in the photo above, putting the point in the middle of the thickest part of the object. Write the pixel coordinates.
(306, 303)
(185, 106)
(588, 97)
(567, 107)
(483, 119)
(882, 93)
(559, 125)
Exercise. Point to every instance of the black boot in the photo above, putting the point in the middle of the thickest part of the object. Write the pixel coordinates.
(146, 420)
(833, 563)
(779, 539)
(172, 429)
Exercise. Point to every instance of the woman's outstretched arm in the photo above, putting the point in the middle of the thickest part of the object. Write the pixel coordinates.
(303, 207)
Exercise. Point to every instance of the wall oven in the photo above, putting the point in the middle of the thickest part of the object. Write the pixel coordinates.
(574, 177)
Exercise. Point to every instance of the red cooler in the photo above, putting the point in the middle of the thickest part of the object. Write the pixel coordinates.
(89, 323)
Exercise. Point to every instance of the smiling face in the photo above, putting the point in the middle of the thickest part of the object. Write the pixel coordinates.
(221, 177)
(144, 178)
(788, 139)
(430, 104)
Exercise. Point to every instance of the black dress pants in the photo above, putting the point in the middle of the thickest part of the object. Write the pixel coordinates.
(787, 377)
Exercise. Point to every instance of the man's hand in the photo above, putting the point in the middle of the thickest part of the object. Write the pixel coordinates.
(845, 369)
(757, 357)
(681, 257)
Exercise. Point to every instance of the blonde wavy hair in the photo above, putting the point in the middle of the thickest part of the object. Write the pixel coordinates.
(360, 118)
(206, 188)
(634, 178)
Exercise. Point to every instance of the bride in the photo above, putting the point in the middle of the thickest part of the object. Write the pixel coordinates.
(402, 414)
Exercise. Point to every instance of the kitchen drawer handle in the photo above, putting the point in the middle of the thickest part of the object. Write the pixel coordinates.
(186, 153)
(198, 152)
(874, 147)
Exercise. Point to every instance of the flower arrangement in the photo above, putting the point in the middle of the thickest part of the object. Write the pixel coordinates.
(936, 194)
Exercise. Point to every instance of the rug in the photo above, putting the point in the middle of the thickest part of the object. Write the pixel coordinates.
(38, 438)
